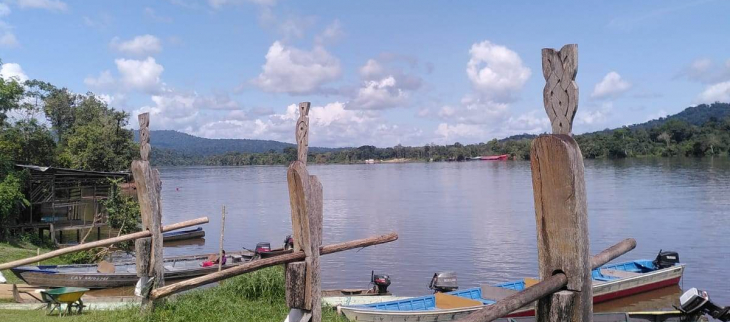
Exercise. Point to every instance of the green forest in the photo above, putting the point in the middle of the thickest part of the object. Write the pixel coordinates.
(81, 132)
(702, 130)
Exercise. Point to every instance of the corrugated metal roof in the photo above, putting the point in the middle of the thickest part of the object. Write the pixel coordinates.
(64, 171)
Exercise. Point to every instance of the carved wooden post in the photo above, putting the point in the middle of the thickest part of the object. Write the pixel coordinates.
(305, 196)
(560, 197)
(148, 193)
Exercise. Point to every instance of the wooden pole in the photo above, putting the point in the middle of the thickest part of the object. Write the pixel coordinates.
(149, 188)
(560, 198)
(100, 243)
(267, 262)
(220, 246)
(545, 287)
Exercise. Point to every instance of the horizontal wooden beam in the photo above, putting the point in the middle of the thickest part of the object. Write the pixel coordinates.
(266, 262)
(100, 243)
(545, 287)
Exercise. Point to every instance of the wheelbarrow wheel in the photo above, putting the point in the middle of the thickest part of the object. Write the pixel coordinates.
(80, 306)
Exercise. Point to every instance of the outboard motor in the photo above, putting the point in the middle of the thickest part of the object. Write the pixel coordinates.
(262, 247)
(444, 282)
(698, 302)
(380, 282)
(288, 242)
(666, 259)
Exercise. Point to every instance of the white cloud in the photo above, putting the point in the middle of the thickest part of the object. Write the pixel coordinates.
(4, 9)
(153, 15)
(138, 46)
(141, 75)
(719, 92)
(612, 85)
(380, 94)
(53, 5)
(295, 71)
(217, 4)
(100, 21)
(592, 118)
(13, 71)
(455, 132)
(496, 72)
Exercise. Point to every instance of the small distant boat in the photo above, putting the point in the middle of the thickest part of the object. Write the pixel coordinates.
(183, 234)
(609, 282)
(500, 157)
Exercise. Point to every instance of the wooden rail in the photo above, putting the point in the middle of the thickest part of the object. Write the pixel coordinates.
(266, 262)
(545, 287)
(100, 243)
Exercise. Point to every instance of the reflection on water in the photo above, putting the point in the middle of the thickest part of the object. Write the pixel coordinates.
(474, 218)
(656, 300)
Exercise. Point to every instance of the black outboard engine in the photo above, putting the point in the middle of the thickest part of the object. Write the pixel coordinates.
(444, 282)
(380, 282)
(698, 302)
(666, 259)
(288, 242)
(262, 247)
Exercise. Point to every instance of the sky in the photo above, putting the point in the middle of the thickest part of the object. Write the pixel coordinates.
(376, 72)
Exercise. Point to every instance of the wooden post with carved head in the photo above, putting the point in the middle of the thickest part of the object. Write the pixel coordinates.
(303, 290)
(560, 196)
(149, 187)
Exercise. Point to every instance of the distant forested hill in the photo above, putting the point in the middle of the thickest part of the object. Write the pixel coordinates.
(696, 115)
(186, 144)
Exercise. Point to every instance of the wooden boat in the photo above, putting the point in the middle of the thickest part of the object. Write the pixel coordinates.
(335, 298)
(654, 316)
(124, 273)
(183, 234)
(500, 157)
(609, 282)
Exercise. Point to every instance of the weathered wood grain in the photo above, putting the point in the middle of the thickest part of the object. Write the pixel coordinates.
(560, 95)
(100, 243)
(302, 132)
(220, 244)
(561, 307)
(144, 136)
(295, 285)
(267, 262)
(562, 218)
(143, 252)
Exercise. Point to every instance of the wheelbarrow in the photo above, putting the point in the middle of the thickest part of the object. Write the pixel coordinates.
(71, 296)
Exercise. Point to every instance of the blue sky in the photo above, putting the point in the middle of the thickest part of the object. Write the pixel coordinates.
(377, 72)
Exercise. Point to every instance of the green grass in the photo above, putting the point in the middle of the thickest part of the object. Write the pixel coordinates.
(10, 251)
(253, 297)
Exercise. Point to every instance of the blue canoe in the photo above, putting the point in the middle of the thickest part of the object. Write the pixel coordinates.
(609, 282)
(183, 234)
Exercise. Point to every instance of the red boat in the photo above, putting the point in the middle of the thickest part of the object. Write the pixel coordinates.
(494, 157)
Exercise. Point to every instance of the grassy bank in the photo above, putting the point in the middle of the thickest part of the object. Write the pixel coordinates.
(10, 251)
(254, 297)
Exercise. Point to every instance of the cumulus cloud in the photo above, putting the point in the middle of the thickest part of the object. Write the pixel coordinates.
(142, 75)
(8, 39)
(143, 45)
(384, 84)
(332, 33)
(10, 71)
(612, 85)
(296, 71)
(719, 92)
(496, 72)
(52, 5)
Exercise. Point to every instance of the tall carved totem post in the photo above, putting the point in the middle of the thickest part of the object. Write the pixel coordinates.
(560, 198)
(303, 288)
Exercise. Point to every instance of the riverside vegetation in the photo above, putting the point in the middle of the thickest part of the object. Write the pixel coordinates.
(255, 297)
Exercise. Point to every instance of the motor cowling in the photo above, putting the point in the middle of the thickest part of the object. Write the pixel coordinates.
(697, 302)
(444, 282)
(288, 242)
(666, 259)
(381, 283)
(262, 247)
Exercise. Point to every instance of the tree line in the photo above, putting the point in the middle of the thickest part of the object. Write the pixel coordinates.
(80, 132)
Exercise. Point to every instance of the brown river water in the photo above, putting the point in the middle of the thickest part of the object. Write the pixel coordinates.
(474, 218)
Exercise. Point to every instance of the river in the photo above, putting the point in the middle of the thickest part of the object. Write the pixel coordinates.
(474, 218)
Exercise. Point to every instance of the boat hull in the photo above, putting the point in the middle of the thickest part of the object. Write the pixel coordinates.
(602, 291)
(191, 234)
